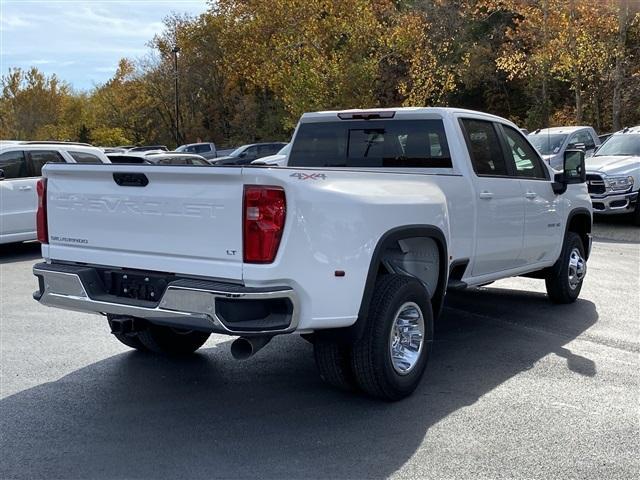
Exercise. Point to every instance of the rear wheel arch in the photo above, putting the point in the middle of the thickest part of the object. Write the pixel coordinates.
(378, 266)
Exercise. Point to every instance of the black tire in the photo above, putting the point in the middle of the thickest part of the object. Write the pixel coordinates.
(371, 358)
(559, 287)
(171, 341)
(333, 360)
(636, 213)
(129, 339)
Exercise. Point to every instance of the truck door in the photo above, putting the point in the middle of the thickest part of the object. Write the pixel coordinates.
(499, 200)
(543, 223)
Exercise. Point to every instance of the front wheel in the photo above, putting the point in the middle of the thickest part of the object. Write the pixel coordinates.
(390, 358)
(564, 280)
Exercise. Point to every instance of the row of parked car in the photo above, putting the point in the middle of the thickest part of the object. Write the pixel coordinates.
(613, 167)
(204, 153)
(612, 162)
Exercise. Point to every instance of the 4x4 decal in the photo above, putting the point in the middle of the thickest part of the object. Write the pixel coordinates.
(309, 176)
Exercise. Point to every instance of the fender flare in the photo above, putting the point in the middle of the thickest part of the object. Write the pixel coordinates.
(584, 212)
(354, 332)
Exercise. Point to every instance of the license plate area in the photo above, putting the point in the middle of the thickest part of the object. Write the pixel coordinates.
(136, 285)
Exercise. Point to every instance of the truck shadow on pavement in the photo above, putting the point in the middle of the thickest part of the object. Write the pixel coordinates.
(19, 252)
(139, 416)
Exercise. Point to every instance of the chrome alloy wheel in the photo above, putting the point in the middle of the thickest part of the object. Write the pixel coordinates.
(577, 268)
(406, 338)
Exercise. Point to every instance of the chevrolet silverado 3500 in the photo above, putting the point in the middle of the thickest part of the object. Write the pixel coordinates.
(353, 244)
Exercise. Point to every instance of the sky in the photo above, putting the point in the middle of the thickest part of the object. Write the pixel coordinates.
(81, 41)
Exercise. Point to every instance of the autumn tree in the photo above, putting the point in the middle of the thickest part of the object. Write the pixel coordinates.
(249, 68)
(32, 105)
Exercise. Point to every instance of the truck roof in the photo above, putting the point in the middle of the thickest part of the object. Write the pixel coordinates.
(566, 129)
(635, 129)
(443, 111)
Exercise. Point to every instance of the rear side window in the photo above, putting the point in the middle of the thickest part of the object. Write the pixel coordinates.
(264, 150)
(83, 157)
(13, 165)
(38, 159)
(204, 148)
(484, 147)
(371, 143)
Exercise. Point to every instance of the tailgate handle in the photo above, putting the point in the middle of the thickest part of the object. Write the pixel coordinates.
(130, 179)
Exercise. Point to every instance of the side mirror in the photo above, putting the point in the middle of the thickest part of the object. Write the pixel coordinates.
(243, 154)
(2, 177)
(577, 146)
(574, 171)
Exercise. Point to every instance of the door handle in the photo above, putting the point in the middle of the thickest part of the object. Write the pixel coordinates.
(531, 195)
(485, 195)
(25, 187)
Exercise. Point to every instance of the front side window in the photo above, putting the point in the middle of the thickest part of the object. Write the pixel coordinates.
(484, 148)
(13, 165)
(38, 159)
(583, 137)
(251, 152)
(270, 149)
(527, 163)
(371, 143)
(83, 157)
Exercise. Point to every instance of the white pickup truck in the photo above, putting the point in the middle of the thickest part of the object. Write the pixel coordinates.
(613, 175)
(353, 244)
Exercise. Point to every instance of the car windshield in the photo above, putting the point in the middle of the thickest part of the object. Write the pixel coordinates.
(182, 148)
(547, 143)
(627, 144)
(238, 151)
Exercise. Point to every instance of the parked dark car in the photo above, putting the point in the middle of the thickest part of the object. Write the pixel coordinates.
(225, 152)
(246, 154)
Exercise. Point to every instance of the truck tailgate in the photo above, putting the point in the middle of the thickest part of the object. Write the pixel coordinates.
(185, 220)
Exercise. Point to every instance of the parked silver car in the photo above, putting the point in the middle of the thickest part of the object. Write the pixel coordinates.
(206, 149)
(552, 142)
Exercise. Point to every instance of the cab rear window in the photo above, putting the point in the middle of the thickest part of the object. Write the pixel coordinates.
(371, 143)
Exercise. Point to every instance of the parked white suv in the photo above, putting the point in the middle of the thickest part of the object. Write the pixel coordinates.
(20, 167)
(353, 243)
(613, 175)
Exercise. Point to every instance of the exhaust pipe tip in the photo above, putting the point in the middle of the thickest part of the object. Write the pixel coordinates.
(243, 348)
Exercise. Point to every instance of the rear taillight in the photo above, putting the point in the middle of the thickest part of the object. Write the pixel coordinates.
(265, 209)
(41, 215)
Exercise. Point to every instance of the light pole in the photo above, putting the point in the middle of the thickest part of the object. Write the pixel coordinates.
(175, 51)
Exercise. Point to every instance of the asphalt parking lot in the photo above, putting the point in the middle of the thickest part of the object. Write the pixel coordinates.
(516, 388)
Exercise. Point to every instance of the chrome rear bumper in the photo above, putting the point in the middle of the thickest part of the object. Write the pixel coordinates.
(185, 303)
